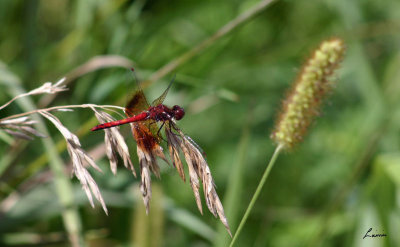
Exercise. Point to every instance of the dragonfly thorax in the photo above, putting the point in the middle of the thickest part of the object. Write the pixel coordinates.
(164, 113)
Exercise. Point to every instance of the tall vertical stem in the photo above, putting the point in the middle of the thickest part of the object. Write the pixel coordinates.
(257, 193)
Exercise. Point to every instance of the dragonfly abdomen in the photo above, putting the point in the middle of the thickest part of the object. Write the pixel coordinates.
(136, 118)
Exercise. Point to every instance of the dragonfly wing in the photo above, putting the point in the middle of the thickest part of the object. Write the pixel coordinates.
(137, 104)
(160, 99)
(144, 136)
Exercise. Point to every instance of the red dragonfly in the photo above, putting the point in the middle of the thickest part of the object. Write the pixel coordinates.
(138, 109)
(144, 119)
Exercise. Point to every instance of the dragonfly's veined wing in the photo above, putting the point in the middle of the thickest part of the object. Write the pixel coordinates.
(145, 132)
(161, 99)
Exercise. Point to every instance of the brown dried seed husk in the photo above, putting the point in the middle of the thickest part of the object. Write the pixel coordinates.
(145, 185)
(198, 168)
(19, 134)
(115, 143)
(78, 155)
(173, 147)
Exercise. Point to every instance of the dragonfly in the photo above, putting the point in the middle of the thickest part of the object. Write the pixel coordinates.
(147, 121)
(139, 110)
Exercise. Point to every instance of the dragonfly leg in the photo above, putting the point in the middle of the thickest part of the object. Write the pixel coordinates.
(159, 134)
(159, 129)
(171, 124)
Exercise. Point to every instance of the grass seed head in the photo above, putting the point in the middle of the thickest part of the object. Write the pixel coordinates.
(304, 99)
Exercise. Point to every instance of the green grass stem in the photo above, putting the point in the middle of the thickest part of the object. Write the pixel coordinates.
(257, 193)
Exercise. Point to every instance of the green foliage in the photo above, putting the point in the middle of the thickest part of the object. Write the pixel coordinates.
(341, 181)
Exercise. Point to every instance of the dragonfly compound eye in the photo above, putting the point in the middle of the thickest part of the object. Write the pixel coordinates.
(178, 112)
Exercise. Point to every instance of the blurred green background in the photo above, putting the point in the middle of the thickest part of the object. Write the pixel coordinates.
(342, 180)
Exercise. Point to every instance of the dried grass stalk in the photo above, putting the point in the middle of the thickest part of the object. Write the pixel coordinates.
(115, 143)
(47, 87)
(173, 148)
(145, 184)
(148, 150)
(20, 128)
(198, 169)
(78, 157)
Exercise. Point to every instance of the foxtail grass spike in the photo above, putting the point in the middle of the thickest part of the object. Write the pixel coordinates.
(304, 99)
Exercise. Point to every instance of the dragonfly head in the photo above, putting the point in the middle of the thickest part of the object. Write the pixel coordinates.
(178, 112)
